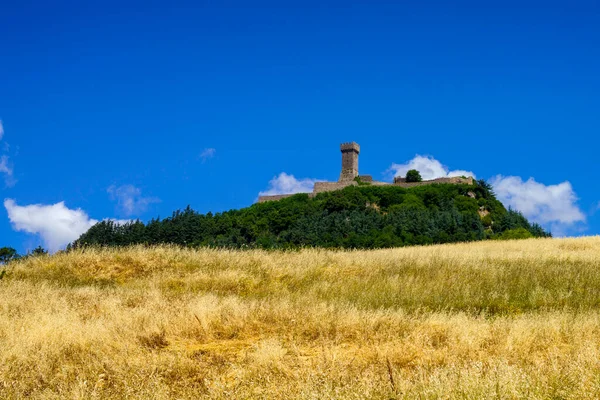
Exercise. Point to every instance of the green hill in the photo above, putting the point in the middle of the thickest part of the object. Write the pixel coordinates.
(355, 217)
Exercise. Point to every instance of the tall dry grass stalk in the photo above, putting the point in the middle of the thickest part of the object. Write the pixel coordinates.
(482, 320)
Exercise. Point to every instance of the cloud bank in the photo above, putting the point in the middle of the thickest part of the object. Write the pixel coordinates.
(429, 167)
(56, 224)
(130, 200)
(288, 184)
(548, 205)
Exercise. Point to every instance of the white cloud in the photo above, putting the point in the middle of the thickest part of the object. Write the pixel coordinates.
(7, 170)
(56, 224)
(6, 167)
(429, 167)
(130, 200)
(207, 153)
(288, 184)
(549, 205)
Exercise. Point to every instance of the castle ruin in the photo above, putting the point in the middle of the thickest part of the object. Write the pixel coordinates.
(349, 176)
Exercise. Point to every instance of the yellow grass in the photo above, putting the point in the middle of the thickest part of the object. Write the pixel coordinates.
(483, 320)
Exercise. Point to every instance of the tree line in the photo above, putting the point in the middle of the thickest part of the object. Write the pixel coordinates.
(364, 217)
(8, 254)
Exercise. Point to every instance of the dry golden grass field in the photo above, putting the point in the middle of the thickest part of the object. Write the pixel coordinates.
(516, 319)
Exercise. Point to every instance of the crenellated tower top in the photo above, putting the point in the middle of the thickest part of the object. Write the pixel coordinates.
(350, 146)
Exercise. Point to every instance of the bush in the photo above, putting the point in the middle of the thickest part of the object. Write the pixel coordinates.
(413, 176)
(487, 221)
(360, 182)
(519, 233)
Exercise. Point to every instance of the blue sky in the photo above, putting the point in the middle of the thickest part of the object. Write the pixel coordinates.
(134, 109)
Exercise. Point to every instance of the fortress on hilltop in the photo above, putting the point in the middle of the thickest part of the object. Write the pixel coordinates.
(349, 176)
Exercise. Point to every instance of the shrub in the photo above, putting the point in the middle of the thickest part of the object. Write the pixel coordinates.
(518, 233)
(360, 182)
(487, 221)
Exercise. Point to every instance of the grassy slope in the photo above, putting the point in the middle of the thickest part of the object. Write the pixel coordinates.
(486, 319)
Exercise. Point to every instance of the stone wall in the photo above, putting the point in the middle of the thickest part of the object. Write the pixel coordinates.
(321, 187)
(331, 186)
(456, 180)
(262, 199)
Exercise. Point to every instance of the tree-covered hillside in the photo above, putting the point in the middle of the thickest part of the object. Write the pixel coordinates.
(355, 217)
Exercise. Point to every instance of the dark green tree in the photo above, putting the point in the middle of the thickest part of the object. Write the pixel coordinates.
(413, 176)
(7, 254)
(39, 251)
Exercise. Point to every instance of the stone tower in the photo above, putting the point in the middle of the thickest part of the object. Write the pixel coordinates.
(350, 153)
